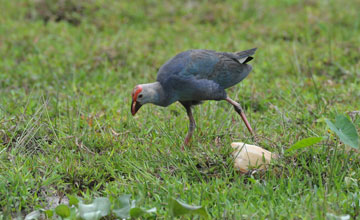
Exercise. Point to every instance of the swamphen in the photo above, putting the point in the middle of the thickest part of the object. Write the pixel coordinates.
(192, 77)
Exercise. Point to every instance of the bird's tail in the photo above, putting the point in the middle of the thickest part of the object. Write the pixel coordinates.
(245, 56)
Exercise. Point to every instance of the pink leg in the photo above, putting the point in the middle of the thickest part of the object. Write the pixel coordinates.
(192, 125)
(239, 110)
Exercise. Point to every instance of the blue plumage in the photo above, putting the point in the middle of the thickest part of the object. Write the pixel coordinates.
(196, 75)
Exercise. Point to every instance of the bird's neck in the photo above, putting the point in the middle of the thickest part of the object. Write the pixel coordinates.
(158, 94)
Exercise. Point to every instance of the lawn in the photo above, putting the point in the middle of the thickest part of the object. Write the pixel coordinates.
(67, 70)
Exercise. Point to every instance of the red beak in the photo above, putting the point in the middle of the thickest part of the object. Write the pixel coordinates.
(135, 106)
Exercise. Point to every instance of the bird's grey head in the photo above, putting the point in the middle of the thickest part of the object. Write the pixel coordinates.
(145, 93)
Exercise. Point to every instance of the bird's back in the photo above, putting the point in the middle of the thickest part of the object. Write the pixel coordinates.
(224, 69)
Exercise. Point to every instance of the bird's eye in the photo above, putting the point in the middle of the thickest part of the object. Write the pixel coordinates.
(140, 96)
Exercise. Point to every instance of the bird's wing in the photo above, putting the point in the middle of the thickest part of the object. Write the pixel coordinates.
(225, 69)
(232, 68)
(174, 66)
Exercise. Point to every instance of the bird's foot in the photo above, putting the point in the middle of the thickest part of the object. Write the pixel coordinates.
(182, 148)
(255, 138)
(186, 142)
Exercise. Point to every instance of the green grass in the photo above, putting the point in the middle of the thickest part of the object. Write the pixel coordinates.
(66, 126)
